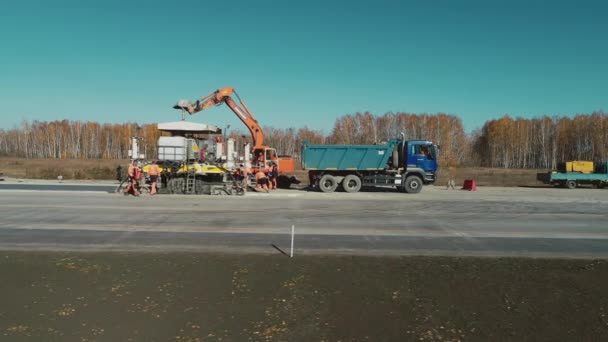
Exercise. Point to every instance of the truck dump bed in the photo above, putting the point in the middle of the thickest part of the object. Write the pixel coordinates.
(347, 157)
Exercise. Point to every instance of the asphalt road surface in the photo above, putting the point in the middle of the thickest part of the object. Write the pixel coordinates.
(489, 222)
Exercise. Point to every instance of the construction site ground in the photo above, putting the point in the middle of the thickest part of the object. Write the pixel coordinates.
(58, 296)
(502, 263)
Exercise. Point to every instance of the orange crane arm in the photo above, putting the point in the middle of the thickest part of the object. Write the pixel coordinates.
(224, 95)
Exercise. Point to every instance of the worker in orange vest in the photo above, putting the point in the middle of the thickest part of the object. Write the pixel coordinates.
(153, 173)
(133, 173)
(262, 180)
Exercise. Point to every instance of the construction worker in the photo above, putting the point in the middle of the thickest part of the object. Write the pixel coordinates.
(240, 177)
(273, 174)
(153, 173)
(245, 171)
(451, 181)
(262, 180)
(237, 175)
(133, 173)
(119, 173)
(259, 160)
(138, 173)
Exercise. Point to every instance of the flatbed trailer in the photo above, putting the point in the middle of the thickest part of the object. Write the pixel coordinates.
(572, 180)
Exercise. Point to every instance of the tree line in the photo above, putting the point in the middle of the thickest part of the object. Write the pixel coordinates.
(540, 142)
(73, 139)
(506, 142)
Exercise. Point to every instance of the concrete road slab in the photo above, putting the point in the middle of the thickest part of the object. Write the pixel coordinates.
(492, 221)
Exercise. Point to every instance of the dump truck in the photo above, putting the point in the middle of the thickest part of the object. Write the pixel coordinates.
(403, 164)
(567, 178)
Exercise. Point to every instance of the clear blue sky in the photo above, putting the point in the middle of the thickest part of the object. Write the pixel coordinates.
(300, 63)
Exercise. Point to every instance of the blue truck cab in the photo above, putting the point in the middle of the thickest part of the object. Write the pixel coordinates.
(422, 155)
(404, 164)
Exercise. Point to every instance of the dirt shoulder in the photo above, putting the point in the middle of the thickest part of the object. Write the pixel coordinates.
(205, 297)
(96, 169)
(103, 169)
(69, 169)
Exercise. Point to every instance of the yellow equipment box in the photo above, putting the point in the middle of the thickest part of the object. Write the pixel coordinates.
(579, 166)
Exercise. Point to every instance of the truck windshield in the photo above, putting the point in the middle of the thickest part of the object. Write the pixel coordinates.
(425, 150)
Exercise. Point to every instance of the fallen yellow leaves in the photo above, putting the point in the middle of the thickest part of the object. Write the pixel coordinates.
(19, 329)
(66, 310)
(80, 265)
(239, 283)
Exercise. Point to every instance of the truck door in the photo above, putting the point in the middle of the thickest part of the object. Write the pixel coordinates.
(422, 156)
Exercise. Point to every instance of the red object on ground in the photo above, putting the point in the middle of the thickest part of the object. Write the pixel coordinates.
(469, 184)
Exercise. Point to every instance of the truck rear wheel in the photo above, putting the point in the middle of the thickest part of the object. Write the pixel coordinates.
(571, 184)
(413, 185)
(328, 183)
(351, 183)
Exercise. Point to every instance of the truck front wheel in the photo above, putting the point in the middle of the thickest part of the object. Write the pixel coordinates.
(328, 183)
(351, 183)
(413, 184)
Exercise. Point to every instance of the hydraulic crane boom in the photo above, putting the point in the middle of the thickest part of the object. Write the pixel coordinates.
(242, 112)
(263, 156)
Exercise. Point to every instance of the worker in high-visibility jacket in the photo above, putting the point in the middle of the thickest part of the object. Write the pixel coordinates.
(261, 179)
(153, 173)
(133, 173)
